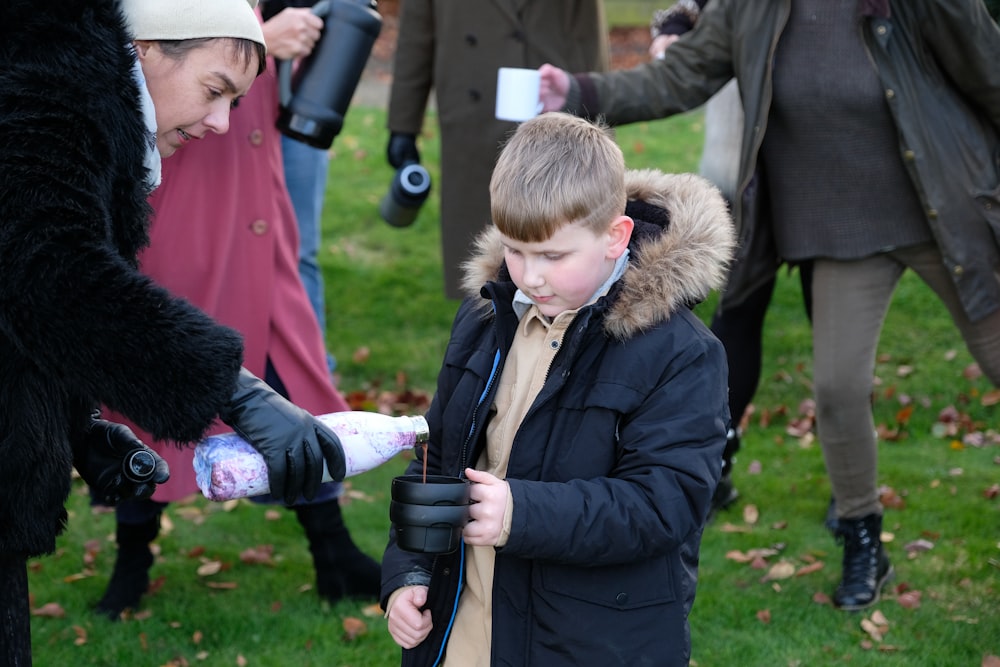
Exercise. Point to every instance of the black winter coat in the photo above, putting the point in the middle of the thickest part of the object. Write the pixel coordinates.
(614, 466)
(79, 325)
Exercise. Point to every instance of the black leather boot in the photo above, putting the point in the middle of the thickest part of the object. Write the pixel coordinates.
(342, 570)
(866, 567)
(725, 493)
(130, 578)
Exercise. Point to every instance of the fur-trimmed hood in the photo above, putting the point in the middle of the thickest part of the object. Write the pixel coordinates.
(681, 248)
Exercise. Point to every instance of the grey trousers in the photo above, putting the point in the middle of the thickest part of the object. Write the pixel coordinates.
(850, 301)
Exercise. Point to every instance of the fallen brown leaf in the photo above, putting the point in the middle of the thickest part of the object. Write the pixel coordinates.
(258, 555)
(820, 597)
(354, 628)
(764, 615)
(209, 568)
(49, 610)
(809, 569)
(991, 397)
(780, 570)
(731, 528)
(373, 610)
(81, 635)
(909, 600)
(918, 546)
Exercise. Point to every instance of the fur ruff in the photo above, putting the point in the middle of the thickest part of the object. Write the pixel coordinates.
(670, 267)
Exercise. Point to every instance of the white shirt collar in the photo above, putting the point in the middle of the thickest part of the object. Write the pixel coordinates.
(152, 159)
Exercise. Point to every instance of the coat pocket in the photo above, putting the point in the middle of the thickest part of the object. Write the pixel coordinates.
(626, 586)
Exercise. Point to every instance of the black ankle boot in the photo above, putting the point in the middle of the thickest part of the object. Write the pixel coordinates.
(130, 578)
(725, 493)
(342, 570)
(866, 567)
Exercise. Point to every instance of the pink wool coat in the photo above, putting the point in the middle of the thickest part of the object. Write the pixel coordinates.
(224, 236)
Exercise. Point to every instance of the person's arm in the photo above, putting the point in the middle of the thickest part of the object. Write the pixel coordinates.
(413, 67)
(966, 43)
(694, 69)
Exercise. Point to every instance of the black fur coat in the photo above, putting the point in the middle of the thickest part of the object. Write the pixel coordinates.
(79, 325)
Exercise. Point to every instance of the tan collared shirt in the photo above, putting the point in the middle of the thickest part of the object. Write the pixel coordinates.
(535, 345)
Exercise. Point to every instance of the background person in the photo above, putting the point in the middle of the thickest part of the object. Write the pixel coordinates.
(869, 148)
(225, 238)
(456, 48)
(740, 327)
(92, 94)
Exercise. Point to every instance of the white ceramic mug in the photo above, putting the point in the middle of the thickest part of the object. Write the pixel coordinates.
(518, 93)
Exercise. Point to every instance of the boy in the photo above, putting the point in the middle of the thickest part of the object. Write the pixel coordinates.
(586, 404)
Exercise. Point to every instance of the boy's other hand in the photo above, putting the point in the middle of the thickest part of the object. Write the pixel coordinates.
(409, 623)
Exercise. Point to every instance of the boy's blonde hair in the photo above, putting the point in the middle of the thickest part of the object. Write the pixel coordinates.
(557, 168)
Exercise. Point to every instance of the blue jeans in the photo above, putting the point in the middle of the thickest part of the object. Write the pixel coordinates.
(305, 175)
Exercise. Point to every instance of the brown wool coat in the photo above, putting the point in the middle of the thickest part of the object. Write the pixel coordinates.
(455, 48)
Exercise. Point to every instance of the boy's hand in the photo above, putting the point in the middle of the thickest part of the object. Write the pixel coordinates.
(488, 497)
(409, 624)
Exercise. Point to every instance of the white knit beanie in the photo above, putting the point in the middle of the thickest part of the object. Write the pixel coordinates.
(192, 19)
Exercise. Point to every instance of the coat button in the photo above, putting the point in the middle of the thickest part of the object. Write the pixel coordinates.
(958, 270)
(259, 227)
(622, 598)
(909, 155)
(471, 40)
(474, 95)
(890, 94)
(554, 344)
(256, 138)
(932, 213)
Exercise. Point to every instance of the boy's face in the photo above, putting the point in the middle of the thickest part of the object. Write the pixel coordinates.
(563, 272)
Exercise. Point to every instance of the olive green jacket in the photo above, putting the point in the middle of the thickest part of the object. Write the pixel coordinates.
(937, 61)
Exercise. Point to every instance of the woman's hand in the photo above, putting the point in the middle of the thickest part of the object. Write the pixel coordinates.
(554, 87)
(292, 33)
(660, 45)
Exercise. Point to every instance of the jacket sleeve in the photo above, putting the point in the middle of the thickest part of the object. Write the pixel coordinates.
(966, 41)
(658, 493)
(413, 67)
(70, 303)
(692, 70)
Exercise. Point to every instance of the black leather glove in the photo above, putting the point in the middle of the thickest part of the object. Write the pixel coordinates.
(402, 148)
(115, 463)
(293, 442)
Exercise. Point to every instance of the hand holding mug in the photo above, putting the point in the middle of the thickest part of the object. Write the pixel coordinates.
(553, 88)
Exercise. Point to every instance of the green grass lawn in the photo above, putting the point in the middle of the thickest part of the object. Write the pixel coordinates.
(216, 604)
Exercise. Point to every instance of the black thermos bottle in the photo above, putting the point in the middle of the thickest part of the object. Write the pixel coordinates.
(409, 189)
(314, 101)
